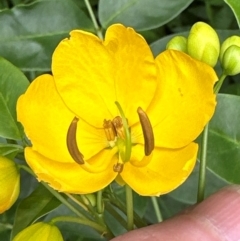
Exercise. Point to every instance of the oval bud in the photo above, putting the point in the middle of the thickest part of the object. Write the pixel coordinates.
(233, 40)
(231, 60)
(39, 232)
(203, 43)
(178, 43)
(9, 183)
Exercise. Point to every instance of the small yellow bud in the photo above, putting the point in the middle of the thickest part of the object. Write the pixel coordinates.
(178, 43)
(9, 183)
(203, 43)
(39, 232)
(231, 60)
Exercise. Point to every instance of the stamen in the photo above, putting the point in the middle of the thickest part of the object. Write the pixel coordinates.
(109, 129)
(117, 123)
(118, 167)
(147, 131)
(72, 142)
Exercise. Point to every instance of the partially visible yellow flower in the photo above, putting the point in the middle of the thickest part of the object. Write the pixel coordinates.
(39, 232)
(81, 140)
(9, 183)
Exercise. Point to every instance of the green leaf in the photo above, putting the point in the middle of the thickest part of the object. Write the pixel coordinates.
(140, 14)
(235, 6)
(13, 83)
(30, 33)
(224, 139)
(38, 204)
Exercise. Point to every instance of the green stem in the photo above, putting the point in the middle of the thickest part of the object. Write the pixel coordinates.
(218, 86)
(76, 201)
(203, 164)
(116, 215)
(92, 16)
(115, 201)
(54, 193)
(99, 202)
(86, 222)
(203, 153)
(157, 209)
(129, 205)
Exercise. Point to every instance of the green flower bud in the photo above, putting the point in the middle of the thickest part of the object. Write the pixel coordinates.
(39, 232)
(203, 43)
(233, 40)
(231, 60)
(178, 43)
(91, 198)
(9, 183)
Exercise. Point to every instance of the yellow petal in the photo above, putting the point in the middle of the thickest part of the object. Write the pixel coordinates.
(184, 102)
(91, 74)
(46, 121)
(167, 169)
(71, 177)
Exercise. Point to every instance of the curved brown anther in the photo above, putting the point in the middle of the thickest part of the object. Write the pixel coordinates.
(147, 131)
(72, 142)
(118, 167)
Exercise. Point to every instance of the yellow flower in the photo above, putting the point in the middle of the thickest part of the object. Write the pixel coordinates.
(39, 232)
(76, 128)
(9, 183)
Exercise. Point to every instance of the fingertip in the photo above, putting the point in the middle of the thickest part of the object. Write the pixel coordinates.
(216, 218)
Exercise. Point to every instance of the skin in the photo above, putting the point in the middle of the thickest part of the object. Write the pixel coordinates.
(215, 219)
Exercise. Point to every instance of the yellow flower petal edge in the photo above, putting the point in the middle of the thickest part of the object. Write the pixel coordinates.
(185, 101)
(167, 170)
(103, 72)
(71, 177)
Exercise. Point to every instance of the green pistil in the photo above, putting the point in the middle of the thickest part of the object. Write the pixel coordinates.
(128, 143)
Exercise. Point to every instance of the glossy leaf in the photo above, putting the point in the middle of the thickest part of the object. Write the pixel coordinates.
(140, 14)
(38, 204)
(224, 139)
(235, 6)
(30, 33)
(13, 83)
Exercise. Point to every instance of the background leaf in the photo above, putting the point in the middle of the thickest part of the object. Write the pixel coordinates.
(224, 139)
(13, 83)
(38, 204)
(140, 14)
(30, 33)
(235, 6)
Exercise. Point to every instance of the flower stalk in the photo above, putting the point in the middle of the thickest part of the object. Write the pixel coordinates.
(129, 203)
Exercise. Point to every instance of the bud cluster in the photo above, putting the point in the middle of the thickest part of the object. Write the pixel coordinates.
(203, 44)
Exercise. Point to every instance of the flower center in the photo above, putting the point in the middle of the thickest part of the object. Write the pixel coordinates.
(118, 134)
